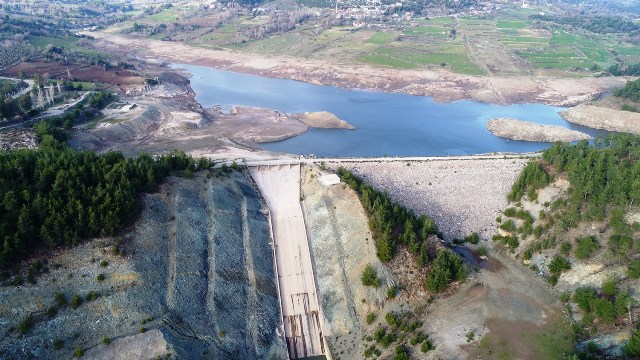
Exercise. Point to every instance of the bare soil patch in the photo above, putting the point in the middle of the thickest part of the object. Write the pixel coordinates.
(89, 73)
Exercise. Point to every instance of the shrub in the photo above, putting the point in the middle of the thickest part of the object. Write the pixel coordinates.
(427, 346)
(586, 246)
(60, 299)
(143, 330)
(25, 325)
(604, 310)
(369, 277)
(106, 340)
(620, 245)
(371, 317)
(633, 346)
(401, 353)
(392, 319)
(57, 344)
(633, 269)
(392, 292)
(474, 238)
(509, 226)
(559, 264)
(100, 277)
(79, 352)
(91, 296)
(104, 263)
(584, 296)
(76, 301)
(565, 247)
(482, 251)
(565, 297)
(609, 287)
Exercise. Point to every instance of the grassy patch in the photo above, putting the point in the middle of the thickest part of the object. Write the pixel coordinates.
(380, 38)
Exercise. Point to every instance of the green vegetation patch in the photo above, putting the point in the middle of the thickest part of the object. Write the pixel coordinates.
(381, 38)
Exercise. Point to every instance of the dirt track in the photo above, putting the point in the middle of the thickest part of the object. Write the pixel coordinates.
(442, 85)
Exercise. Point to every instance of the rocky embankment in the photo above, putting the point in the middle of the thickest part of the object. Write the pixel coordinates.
(529, 131)
(603, 118)
(194, 278)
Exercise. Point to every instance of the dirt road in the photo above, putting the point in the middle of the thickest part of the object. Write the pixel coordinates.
(280, 186)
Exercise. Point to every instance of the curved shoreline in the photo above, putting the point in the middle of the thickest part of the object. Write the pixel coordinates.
(441, 85)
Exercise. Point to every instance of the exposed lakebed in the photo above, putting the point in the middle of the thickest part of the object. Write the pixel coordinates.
(387, 123)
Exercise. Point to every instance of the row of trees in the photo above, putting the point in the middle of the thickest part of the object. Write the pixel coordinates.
(55, 196)
(392, 224)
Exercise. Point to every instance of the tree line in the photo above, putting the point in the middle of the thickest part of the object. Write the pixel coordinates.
(631, 90)
(600, 24)
(55, 196)
(392, 224)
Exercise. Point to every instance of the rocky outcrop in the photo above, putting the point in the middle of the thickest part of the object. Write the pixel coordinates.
(324, 120)
(18, 139)
(603, 118)
(529, 131)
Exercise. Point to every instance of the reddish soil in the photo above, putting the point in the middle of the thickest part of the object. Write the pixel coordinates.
(88, 73)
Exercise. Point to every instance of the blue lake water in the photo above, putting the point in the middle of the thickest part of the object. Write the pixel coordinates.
(387, 124)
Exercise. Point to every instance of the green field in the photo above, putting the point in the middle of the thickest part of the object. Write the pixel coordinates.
(70, 43)
(380, 38)
(167, 15)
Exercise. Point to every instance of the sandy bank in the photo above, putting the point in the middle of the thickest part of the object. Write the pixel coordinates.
(603, 118)
(528, 131)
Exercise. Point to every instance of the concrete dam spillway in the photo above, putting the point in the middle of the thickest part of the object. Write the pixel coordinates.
(301, 312)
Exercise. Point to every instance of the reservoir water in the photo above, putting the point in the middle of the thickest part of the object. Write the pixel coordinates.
(387, 124)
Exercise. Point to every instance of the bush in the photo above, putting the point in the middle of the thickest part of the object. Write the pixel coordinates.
(609, 287)
(371, 317)
(633, 346)
(91, 296)
(473, 238)
(427, 346)
(559, 264)
(565, 247)
(401, 353)
(585, 247)
(79, 352)
(604, 310)
(100, 277)
(584, 297)
(76, 301)
(392, 319)
(106, 340)
(104, 263)
(392, 292)
(621, 245)
(509, 226)
(60, 299)
(57, 344)
(633, 269)
(25, 325)
(369, 277)
(482, 251)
